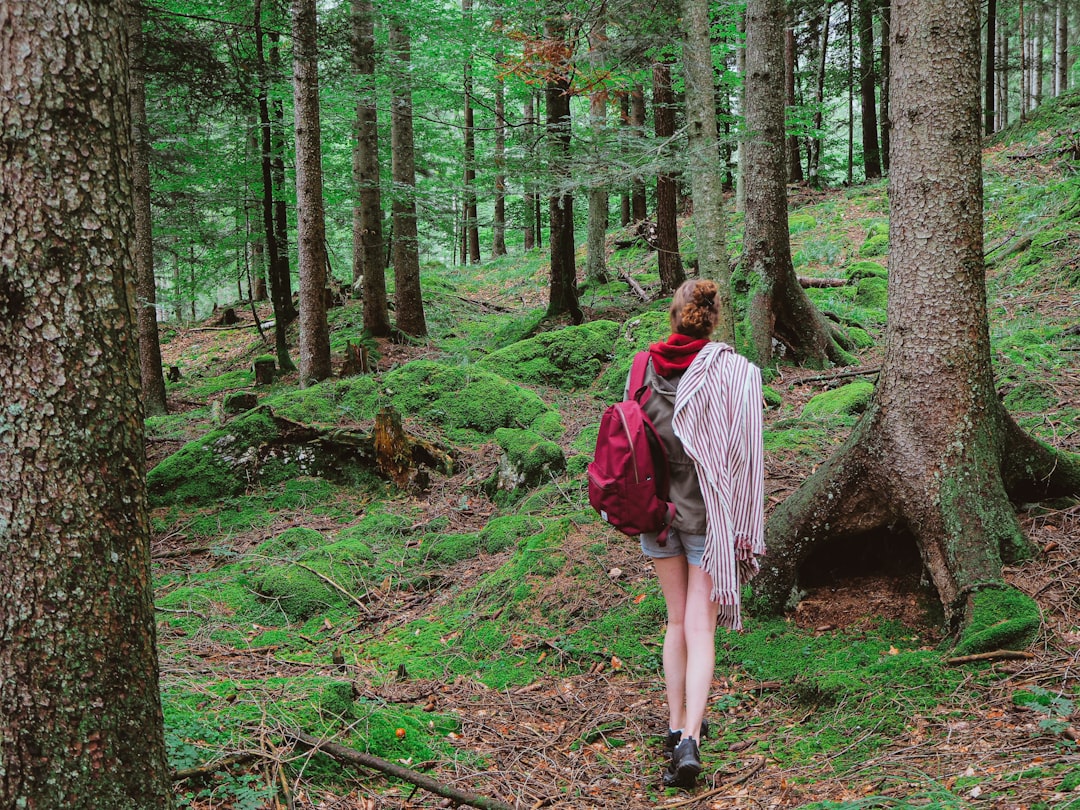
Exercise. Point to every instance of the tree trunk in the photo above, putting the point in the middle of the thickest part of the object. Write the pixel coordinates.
(1038, 39)
(472, 227)
(703, 160)
(817, 142)
(850, 94)
(935, 456)
(281, 214)
(884, 118)
(1022, 41)
(498, 222)
(779, 310)
(369, 268)
(740, 69)
(868, 91)
(563, 294)
(794, 161)
(280, 294)
(80, 707)
(153, 377)
(667, 231)
(638, 206)
(408, 300)
(311, 225)
(1061, 48)
(531, 205)
(1003, 75)
(988, 71)
(624, 122)
(595, 254)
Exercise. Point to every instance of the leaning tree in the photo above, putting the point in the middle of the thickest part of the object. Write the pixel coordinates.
(935, 456)
(80, 712)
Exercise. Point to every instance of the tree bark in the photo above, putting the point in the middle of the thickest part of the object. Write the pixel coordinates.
(667, 231)
(935, 455)
(884, 118)
(868, 91)
(472, 227)
(779, 309)
(710, 225)
(311, 225)
(988, 71)
(596, 230)
(817, 141)
(563, 296)
(794, 161)
(80, 709)
(153, 377)
(638, 207)
(532, 213)
(369, 266)
(408, 299)
(277, 163)
(1061, 48)
(498, 222)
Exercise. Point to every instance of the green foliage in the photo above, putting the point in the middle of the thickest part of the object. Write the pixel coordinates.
(569, 358)
(507, 531)
(847, 399)
(1031, 396)
(331, 401)
(1001, 618)
(290, 543)
(635, 335)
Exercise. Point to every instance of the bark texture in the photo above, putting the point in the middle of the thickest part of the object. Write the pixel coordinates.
(80, 713)
(369, 264)
(868, 91)
(595, 254)
(498, 221)
(706, 184)
(667, 231)
(780, 312)
(936, 456)
(153, 378)
(311, 225)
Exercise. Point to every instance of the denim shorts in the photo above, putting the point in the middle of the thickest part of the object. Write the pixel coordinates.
(678, 543)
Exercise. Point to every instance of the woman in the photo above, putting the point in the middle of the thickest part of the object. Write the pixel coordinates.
(705, 401)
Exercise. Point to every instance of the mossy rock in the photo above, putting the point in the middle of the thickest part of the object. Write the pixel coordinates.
(798, 223)
(878, 229)
(772, 398)
(447, 549)
(299, 593)
(872, 292)
(211, 468)
(866, 269)
(875, 246)
(635, 335)
(1031, 396)
(568, 358)
(528, 458)
(549, 425)
(351, 398)
(847, 400)
(291, 543)
(508, 531)
(1001, 619)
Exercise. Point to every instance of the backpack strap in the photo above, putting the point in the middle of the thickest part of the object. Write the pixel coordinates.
(637, 375)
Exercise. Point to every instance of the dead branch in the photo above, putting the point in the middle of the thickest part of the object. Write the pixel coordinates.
(994, 655)
(354, 757)
(355, 599)
(638, 291)
(856, 372)
(807, 281)
(212, 767)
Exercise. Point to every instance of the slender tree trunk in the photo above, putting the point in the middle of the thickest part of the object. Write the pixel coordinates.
(740, 69)
(817, 143)
(884, 117)
(794, 161)
(153, 379)
(1038, 41)
(638, 208)
(563, 294)
(850, 93)
(280, 294)
(531, 213)
(368, 244)
(80, 707)
(779, 310)
(255, 237)
(1061, 48)
(988, 70)
(1022, 40)
(868, 91)
(595, 254)
(667, 232)
(408, 300)
(498, 223)
(472, 227)
(703, 160)
(311, 225)
(624, 123)
(281, 215)
(935, 455)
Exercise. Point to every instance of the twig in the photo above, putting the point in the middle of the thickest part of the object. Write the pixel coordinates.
(355, 599)
(857, 372)
(354, 757)
(209, 768)
(996, 655)
(638, 291)
(807, 281)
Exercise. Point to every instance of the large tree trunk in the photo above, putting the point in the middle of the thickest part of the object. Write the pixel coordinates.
(153, 378)
(408, 299)
(80, 709)
(596, 231)
(710, 225)
(868, 91)
(988, 71)
(311, 226)
(779, 309)
(369, 266)
(935, 456)
(667, 231)
(563, 296)
(280, 294)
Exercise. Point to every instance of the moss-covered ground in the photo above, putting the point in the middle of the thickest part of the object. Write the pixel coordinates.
(506, 641)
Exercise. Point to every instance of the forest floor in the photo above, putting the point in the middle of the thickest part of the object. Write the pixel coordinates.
(584, 730)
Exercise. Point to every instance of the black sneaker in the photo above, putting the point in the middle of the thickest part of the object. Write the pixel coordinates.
(685, 765)
(673, 737)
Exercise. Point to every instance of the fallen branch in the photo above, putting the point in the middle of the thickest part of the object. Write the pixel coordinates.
(807, 281)
(995, 655)
(856, 372)
(210, 768)
(638, 291)
(354, 757)
(355, 599)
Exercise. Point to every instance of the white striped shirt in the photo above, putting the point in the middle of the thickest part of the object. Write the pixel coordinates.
(717, 417)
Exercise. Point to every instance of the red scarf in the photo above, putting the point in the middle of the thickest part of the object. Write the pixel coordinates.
(676, 354)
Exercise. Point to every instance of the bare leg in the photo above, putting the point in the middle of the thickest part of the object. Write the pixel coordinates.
(672, 573)
(700, 645)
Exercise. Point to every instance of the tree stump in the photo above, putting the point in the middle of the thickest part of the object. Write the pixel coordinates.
(240, 402)
(356, 360)
(174, 373)
(393, 456)
(264, 369)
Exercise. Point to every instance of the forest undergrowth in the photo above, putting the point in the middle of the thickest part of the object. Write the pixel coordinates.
(505, 642)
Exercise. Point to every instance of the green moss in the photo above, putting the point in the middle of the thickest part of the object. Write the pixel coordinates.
(880, 228)
(568, 358)
(877, 245)
(866, 269)
(1001, 618)
(297, 592)
(859, 338)
(807, 440)
(801, 222)
(447, 549)
(202, 389)
(531, 457)
(330, 402)
(1031, 397)
(336, 699)
(772, 398)
(508, 531)
(634, 336)
(872, 292)
(549, 425)
(291, 543)
(847, 399)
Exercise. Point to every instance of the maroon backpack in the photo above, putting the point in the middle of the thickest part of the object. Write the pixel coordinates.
(628, 477)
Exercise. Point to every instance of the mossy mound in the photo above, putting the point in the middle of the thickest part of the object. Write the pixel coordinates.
(872, 292)
(1031, 396)
(797, 223)
(568, 358)
(866, 269)
(211, 468)
(1001, 619)
(507, 531)
(772, 398)
(877, 245)
(880, 228)
(330, 402)
(528, 458)
(846, 400)
(634, 336)
(859, 338)
(297, 592)
(291, 543)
